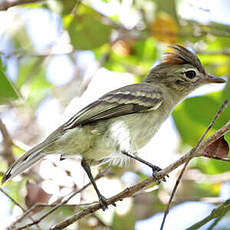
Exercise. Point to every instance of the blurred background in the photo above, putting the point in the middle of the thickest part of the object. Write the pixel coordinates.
(57, 56)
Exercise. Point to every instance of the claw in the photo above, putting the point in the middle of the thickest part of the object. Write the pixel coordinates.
(114, 204)
(103, 203)
(157, 169)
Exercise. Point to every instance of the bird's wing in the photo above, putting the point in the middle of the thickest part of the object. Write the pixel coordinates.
(130, 99)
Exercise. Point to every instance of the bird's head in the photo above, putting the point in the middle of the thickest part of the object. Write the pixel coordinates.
(181, 71)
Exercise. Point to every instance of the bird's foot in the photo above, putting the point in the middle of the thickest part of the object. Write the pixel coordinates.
(103, 202)
(155, 170)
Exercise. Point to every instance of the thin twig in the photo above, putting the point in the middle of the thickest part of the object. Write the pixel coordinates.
(224, 104)
(173, 193)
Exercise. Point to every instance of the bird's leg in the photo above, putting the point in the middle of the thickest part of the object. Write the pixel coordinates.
(102, 199)
(155, 169)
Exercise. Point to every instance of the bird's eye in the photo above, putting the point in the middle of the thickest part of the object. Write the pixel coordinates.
(190, 74)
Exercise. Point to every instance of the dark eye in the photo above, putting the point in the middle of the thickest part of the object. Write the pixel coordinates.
(190, 74)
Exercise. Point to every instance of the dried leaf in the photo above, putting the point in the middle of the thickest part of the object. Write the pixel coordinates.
(165, 28)
(219, 148)
(123, 47)
(35, 194)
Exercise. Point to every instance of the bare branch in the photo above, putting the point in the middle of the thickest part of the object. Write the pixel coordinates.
(5, 5)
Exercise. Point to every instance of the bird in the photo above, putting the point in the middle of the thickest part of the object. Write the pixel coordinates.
(114, 127)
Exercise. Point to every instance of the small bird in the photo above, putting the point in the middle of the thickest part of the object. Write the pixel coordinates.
(113, 128)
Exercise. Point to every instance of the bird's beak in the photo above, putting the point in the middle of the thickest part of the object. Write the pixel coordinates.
(212, 79)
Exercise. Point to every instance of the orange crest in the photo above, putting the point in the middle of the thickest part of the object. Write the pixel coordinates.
(180, 55)
(172, 58)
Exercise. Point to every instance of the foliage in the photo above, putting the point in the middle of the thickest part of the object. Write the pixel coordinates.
(7, 90)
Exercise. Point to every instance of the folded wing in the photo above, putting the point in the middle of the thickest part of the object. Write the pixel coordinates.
(130, 99)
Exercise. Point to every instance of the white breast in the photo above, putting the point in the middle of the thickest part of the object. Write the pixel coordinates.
(129, 133)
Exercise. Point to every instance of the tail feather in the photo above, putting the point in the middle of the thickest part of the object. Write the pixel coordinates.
(25, 161)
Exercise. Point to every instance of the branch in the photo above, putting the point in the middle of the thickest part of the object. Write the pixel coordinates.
(130, 191)
(5, 5)
(216, 213)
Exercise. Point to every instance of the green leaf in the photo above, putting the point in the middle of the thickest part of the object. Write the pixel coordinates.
(145, 50)
(31, 75)
(7, 89)
(26, 69)
(201, 109)
(211, 166)
(189, 129)
(193, 116)
(87, 30)
(39, 88)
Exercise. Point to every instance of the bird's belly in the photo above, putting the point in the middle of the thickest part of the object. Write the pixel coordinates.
(142, 128)
(132, 132)
(86, 141)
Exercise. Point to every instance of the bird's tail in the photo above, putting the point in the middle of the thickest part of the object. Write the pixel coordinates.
(25, 161)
